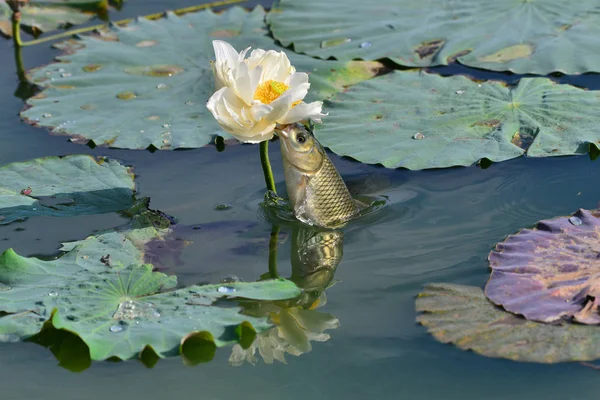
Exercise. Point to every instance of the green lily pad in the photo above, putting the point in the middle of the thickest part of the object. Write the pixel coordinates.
(537, 37)
(417, 120)
(45, 15)
(118, 311)
(64, 187)
(464, 317)
(131, 87)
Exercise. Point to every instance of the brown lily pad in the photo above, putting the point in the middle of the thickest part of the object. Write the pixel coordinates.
(464, 317)
(551, 272)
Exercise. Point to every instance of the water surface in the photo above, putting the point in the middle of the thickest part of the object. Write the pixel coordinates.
(438, 227)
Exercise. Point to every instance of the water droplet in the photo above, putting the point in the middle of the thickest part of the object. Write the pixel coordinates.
(230, 279)
(116, 328)
(47, 115)
(460, 91)
(418, 136)
(161, 86)
(53, 294)
(4, 287)
(226, 289)
(365, 45)
(223, 206)
(131, 309)
(189, 103)
(65, 74)
(575, 220)
(166, 126)
(60, 70)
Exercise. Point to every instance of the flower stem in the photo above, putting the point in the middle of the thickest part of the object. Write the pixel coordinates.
(126, 21)
(16, 28)
(266, 166)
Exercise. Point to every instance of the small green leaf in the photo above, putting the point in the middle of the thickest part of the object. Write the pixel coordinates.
(148, 357)
(198, 347)
(246, 334)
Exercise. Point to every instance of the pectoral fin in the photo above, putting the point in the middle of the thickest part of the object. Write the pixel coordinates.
(299, 195)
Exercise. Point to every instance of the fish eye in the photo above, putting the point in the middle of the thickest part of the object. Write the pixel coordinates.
(301, 138)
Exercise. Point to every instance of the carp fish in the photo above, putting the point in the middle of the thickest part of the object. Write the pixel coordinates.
(316, 191)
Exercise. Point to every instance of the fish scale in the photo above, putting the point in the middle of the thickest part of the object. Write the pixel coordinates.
(316, 191)
(329, 199)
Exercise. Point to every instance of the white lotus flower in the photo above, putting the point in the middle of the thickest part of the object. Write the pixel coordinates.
(256, 93)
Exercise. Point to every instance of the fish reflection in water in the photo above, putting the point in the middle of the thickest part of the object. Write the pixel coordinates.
(315, 255)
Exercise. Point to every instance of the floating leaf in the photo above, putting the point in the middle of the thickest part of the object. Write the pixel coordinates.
(63, 187)
(416, 120)
(537, 37)
(463, 316)
(46, 15)
(550, 272)
(131, 87)
(118, 311)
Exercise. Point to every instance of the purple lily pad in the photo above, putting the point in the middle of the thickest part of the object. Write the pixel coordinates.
(550, 272)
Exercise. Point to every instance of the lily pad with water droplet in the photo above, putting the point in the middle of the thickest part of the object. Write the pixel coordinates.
(464, 317)
(64, 187)
(537, 37)
(551, 272)
(118, 311)
(418, 120)
(131, 87)
(45, 15)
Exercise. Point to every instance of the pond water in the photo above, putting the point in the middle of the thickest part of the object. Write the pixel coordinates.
(438, 226)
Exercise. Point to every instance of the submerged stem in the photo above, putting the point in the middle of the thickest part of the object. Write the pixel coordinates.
(266, 166)
(273, 251)
(19, 64)
(126, 21)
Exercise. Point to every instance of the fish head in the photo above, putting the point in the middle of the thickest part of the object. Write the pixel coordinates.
(300, 148)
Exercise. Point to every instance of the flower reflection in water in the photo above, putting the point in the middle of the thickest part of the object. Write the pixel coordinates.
(315, 256)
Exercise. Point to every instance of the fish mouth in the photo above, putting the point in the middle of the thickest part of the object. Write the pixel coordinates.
(280, 130)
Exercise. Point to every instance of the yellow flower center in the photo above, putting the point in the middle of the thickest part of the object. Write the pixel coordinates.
(267, 92)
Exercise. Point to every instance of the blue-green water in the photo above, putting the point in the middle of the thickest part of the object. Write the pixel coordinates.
(438, 227)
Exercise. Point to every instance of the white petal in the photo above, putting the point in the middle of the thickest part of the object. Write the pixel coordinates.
(214, 100)
(276, 66)
(243, 84)
(280, 106)
(225, 53)
(303, 111)
(298, 92)
(297, 79)
(259, 110)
